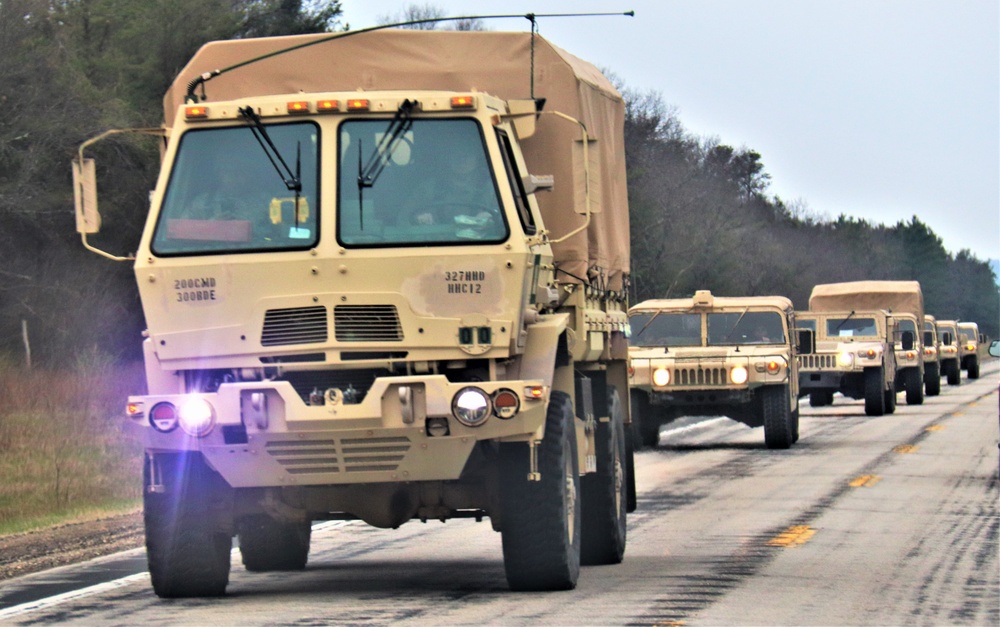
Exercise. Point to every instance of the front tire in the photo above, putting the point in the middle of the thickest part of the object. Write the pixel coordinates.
(268, 545)
(954, 372)
(187, 551)
(541, 519)
(777, 416)
(605, 495)
(874, 396)
(914, 387)
(890, 399)
(647, 425)
(932, 379)
(973, 370)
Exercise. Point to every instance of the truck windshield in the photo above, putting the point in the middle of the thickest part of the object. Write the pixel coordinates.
(436, 187)
(224, 195)
(851, 327)
(750, 327)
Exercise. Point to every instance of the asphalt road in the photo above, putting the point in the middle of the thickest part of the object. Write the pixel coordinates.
(866, 521)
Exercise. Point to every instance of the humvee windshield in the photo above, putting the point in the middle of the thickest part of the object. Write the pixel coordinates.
(665, 329)
(436, 186)
(225, 196)
(750, 327)
(851, 327)
(908, 325)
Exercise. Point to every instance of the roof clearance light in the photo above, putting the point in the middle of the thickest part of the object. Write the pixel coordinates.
(324, 106)
(298, 106)
(196, 112)
(463, 102)
(358, 104)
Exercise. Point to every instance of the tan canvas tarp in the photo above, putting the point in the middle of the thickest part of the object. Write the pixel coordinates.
(895, 296)
(494, 62)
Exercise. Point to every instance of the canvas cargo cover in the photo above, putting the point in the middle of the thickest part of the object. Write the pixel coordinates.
(498, 63)
(893, 296)
(720, 302)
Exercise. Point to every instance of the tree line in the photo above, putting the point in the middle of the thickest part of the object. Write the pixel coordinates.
(701, 214)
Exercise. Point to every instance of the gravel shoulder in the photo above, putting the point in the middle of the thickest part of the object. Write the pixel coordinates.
(33, 551)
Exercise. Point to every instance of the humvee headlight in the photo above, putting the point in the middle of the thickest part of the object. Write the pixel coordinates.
(739, 375)
(471, 406)
(661, 377)
(845, 358)
(163, 417)
(196, 417)
(970, 346)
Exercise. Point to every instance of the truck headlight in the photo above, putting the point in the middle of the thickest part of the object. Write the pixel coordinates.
(661, 377)
(196, 417)
(845, 358)
(738, 375)
(471, 406)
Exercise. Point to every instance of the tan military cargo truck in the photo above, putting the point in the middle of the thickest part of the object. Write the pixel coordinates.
(905, 301)
(358, 306)
(932, 360)
(968, 348)
(852, 353)
(951, 361)
(709, 355)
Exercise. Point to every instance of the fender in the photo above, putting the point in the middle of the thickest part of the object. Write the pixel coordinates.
(539, 358)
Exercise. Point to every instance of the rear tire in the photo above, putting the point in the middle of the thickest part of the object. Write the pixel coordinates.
(777, 416)
(973, 371)
(188, 553)
(932, 379)
(874, 394)
(647, 424)
(914, 387)
(890, 399)
(268, 545)
(541, 519)
(954, 372)
(604, 492)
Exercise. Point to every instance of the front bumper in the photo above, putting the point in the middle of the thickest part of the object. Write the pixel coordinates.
(265, 435)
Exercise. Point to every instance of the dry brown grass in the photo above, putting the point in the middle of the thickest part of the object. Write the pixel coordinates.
(66, 450)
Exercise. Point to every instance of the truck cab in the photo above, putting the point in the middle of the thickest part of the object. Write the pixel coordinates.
(951, 362)
(932, 360)
(968, 348)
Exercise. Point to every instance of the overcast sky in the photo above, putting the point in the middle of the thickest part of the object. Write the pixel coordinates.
(877, 109)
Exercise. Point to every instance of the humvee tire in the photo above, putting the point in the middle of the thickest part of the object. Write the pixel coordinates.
(187, 555)
(932, 379)
(647, 424)
(267, 544)
(973, 371)
(874, 397)
(604, 493)
(541, 519)
(914, 387)
(954, 373)
(890, 399)
(777, 416)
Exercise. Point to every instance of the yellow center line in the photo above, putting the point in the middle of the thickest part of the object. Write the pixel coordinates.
(865, 481)
(793, 536)
(906, 448)
(958, 413)
(934, 428)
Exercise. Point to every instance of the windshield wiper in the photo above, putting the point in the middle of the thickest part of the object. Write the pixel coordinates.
(737, 323)
(372, 169)
(292, 180)
(844, 321)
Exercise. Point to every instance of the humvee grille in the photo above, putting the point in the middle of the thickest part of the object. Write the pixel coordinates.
(817, 361)
(367, 323)
(297, 325)
(303, 457)
(700, 376)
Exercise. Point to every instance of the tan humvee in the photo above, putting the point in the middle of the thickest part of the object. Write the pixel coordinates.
(710, 355)
(358, 306)
(951, 360)
(932, 357)
(968, 348)
(853, 354)
(905, 301)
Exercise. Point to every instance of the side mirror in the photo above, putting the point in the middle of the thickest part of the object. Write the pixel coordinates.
(907, 340)
(995, 348)
(88, 220)
(805, 341)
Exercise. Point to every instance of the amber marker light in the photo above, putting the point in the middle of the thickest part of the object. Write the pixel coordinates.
(196, 112)
(773, 367)
(326, 106)
(462, 102)
(534, 392)
(298, 106)
(358, 104)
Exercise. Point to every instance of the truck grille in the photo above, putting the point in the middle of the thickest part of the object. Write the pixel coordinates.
(354, 383)
(305, 457)
(700, 376)
(817, 361)
(297, 325)
(367, 323)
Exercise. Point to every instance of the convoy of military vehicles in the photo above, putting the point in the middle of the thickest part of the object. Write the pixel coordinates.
(385, 278)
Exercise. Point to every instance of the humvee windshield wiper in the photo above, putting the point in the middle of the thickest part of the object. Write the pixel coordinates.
(737, 323)
(844, 321)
